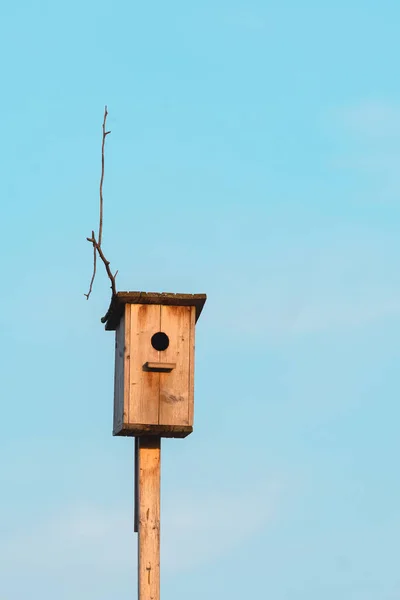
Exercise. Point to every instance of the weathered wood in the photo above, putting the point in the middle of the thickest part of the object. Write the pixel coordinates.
(144, 390)
(159, 366)
(143, 429)
(191, 366)
(174, 386)
(154, 371)
(149, 518)
(118, 302)
(122, 372)
(127, 363)
(119, 375)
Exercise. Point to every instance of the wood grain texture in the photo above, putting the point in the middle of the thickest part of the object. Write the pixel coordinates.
(191, 364)
(141, 429)
(149, 518)
(119, 300)
(144, 386)
(154, 389)
(174, 386)
(119, 376)
(159, 366)
(127, 363)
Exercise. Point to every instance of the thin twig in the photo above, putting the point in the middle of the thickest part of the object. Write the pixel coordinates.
(97, 249)
(94, 270)
(105, 134)
(106, 262)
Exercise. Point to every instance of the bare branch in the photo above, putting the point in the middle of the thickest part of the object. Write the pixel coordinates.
(97, 243)
(105, 133)
(107, 266)
(94, 267)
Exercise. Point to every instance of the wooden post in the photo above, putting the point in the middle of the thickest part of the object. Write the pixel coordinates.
(153, 398)
(148, 495)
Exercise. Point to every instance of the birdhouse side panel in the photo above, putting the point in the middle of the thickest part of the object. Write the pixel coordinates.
(119, 379)
(175, 385)
(144, 386)
(127, 363)
(191, 366)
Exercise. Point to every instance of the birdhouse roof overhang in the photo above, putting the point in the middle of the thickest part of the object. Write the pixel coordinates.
(117, 306)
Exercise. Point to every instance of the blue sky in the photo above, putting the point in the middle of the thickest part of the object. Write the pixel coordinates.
(253, 156)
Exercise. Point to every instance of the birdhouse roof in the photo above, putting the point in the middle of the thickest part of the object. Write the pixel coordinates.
(115, 312)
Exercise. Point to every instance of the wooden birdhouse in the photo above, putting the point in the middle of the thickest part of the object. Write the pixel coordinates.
(154, 362)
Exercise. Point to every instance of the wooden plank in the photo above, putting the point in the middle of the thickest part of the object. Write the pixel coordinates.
(191, 365)
(144, 386)
(174, 386)
(138, 429)
(149, 518)
(127, 363)
(115, 311)
(158, 366)
(119, 376)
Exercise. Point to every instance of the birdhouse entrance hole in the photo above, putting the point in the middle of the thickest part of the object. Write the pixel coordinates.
(160, 341)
